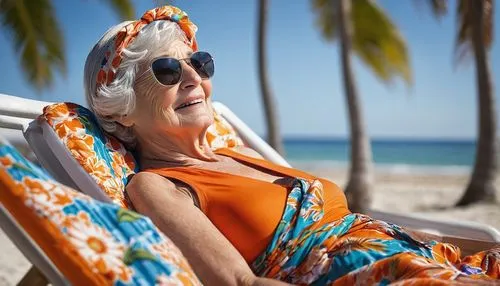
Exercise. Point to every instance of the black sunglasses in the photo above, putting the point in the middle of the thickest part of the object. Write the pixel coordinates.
(168, 71)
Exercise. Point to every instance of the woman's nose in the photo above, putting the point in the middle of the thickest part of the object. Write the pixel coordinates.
(190, 77)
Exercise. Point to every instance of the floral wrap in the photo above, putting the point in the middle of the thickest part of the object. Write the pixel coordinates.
(358, 250)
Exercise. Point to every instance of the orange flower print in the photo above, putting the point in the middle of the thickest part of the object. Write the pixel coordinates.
(110, 77)
(81, 147)
(129, 159)
(221, 135)
(111, 185)
(98, 247)
(316, 199)
(117, 163)
(177, 278)
(446, 253)
(6, 161)
(316, 264)
(72, 219)
(20, 190)
(47, 198)
(35, 187)
(221, 128)
(210, 138)
(113, 188)
(119, 39)
(97, 168)
(56, 112)
(69, 126)
(101, 77)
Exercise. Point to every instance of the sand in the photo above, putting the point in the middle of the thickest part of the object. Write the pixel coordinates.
(430, 194)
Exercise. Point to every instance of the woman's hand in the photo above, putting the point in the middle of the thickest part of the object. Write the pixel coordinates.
(213, 258)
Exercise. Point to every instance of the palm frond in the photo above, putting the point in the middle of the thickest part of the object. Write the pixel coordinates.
(463, 42)
(326, 16)
(124, 8)
(377, 41)
(439, 7)
(159, 3)
(36, 37)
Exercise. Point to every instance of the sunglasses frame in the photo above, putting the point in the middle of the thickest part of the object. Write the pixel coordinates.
(188, 62)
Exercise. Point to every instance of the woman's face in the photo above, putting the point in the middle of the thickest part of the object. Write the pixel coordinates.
(175, 108)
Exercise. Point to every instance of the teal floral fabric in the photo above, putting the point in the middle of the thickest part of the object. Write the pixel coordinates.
(101, 155)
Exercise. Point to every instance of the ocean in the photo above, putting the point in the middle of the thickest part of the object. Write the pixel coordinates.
(448, 156)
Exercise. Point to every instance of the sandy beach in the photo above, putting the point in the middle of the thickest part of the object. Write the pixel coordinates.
(428, 194)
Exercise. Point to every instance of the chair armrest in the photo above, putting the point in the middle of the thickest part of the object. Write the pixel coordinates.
(249, 136)
(470, 246)
(467, 246)
(21, 107)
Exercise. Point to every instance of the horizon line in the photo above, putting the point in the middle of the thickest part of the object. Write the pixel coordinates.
(403, 138)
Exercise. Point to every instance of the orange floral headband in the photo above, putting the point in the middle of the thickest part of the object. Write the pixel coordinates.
(113, 57)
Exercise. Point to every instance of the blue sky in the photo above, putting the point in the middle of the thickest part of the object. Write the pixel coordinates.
(304, 69)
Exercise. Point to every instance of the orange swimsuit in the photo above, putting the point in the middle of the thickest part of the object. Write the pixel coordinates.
(247, 210)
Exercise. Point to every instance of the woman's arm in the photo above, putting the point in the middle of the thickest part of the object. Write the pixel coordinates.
(213, 258)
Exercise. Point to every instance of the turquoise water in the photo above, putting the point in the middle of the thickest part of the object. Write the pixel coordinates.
(453, 154)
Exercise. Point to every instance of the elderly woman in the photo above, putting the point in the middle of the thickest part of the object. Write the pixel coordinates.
(235, 216)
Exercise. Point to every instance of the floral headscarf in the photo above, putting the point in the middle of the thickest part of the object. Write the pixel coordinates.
(113, 57)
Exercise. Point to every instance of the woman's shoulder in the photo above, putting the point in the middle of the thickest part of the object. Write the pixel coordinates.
(145, 179)
(148, 182)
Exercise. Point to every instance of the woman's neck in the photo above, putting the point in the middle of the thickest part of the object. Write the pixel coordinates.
(177, 150)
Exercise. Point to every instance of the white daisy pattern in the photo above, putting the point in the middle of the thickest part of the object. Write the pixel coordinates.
(100, 249)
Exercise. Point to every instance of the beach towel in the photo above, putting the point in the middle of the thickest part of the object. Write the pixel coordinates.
(358, 250)
(90, 242)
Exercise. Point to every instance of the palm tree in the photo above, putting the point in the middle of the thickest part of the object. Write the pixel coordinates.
(362, 28)
(475, 34)
(37, 37)
(272, 122)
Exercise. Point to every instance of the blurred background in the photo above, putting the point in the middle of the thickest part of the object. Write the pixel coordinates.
(401, 76)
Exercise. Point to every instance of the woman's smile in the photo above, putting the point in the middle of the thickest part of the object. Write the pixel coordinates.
(190, 101)
(190, 106)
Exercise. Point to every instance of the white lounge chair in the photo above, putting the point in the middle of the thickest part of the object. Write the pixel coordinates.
(44, 270)
(20, 114)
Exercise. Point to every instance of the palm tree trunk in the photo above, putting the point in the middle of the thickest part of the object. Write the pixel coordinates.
(273, 133)
(482, 182)
(358, 189)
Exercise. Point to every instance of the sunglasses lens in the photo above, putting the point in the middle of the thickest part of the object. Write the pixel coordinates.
(167, 70)
(203, 63)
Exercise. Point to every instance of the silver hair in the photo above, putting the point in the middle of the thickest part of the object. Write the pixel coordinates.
(119, 97)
